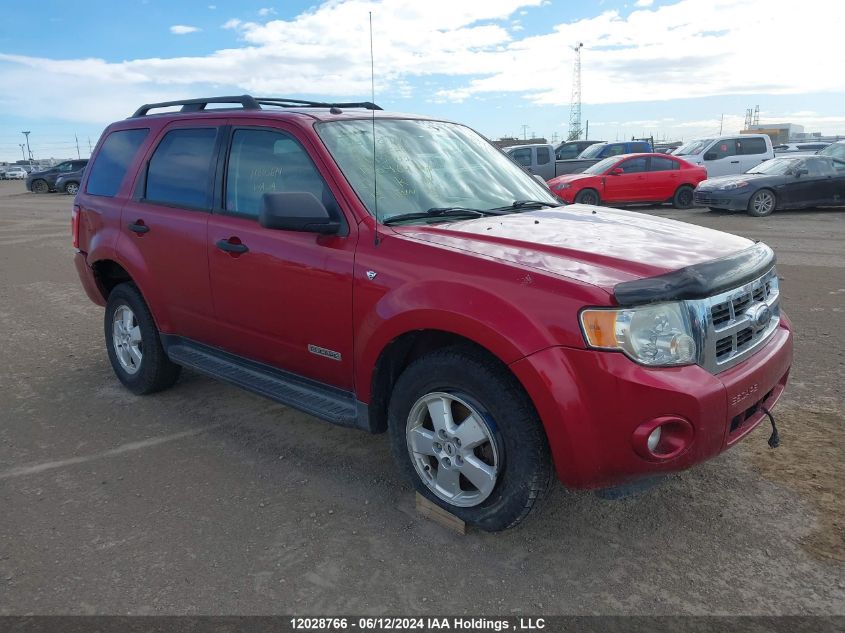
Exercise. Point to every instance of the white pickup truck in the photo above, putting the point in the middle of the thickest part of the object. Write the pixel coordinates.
(727, 155)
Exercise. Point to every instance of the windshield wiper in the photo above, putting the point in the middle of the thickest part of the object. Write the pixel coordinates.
(526, 204)
(438, 212)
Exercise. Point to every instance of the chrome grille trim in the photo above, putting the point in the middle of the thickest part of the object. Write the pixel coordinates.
(725, 332)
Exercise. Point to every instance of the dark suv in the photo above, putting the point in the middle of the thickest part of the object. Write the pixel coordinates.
(395, 273)
(45, 181)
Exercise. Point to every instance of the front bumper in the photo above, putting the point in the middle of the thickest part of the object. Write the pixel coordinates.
(591, 403)
(730, 200)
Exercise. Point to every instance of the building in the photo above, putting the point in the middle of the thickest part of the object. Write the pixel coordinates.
(779, 132)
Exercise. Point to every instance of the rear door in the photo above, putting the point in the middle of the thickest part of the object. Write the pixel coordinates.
(164, 227)
(629, 186)
(286, 300)
(663, 178)
(751, 151)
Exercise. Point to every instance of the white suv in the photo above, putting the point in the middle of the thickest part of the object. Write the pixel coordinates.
(14, 173)
(727, 155)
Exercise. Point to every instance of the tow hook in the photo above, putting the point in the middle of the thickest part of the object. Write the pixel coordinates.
(774, 438)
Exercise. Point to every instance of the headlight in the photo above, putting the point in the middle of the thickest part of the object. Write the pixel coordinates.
(658, 335)
(735, 185)
(561, 185)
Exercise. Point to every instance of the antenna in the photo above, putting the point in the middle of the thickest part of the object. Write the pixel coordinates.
(575, 101)
(373, 95)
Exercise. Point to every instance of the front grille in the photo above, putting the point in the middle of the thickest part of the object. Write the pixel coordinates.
(729, 331)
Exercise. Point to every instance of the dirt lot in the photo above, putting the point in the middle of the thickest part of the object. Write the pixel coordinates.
(206, 499)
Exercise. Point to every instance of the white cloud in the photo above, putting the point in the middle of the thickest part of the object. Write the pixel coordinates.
(266, 11)
(212, 7)
(643, 3)
(691, 48)
(183, 29)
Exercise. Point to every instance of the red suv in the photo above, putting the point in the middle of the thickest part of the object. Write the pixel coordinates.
(359, 266)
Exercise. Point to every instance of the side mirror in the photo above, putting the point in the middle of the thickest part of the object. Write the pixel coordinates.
(617, 171)
(710, 156)
(296, 211)
(801, 172)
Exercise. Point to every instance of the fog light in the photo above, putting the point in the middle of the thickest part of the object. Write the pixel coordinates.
(654, 439)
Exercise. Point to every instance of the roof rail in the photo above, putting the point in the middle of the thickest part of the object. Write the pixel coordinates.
(249, 102)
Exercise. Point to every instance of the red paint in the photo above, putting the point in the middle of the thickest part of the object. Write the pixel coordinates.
(616, 186)
(513, 285)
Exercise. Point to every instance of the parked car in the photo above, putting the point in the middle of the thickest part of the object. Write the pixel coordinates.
(639, 178)
(799, 148)
(69, 182)
(538, 158)
(783, 183)
(571, 149)
(13, 172)
(45, 180)
(727, 155)
(834, 150)
(450, 301)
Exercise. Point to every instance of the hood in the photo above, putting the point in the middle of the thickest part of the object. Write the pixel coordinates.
(721, 181)
(594, 245)
(570, 178)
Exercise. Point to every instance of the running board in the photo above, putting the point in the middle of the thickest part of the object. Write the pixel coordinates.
(312, 397)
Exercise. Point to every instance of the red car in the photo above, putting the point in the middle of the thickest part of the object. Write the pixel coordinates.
(654, 178)
(427, 287)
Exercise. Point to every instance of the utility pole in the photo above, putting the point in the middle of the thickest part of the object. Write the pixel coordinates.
(721, 124)
(587, 133)
(524, 132)
(78, 155)
(23, 153)
(575, 100)
(90, 150)
(28, 151)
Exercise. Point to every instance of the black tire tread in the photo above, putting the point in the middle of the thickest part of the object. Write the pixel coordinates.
(678, 191)
(579, 196)
(487, 370)
(157, 372)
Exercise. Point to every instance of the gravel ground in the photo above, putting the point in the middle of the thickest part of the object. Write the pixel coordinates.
(208, 500)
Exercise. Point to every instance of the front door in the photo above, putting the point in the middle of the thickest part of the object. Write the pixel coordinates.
(286, 299)
(721, 159)
(629, 186)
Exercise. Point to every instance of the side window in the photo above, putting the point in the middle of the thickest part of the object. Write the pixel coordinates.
(543, 155)
(180, 171)
(264, 161)
(614, 150)
(658, 163)
(634, 165)
(721, 149)
(817, 167)
(748, 146)
(640, 146)
(78, 164)
(63, 167)
(112, 161)
(567, 151)
(522, 156)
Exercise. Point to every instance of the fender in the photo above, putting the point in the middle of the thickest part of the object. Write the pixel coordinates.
(432, 305)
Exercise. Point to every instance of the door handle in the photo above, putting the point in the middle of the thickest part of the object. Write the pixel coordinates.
(232, 247)
(734, 162)
(139, 227)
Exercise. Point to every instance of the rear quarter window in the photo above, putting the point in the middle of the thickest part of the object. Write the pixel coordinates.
(179, 173)
(112, 161)
(750, 146)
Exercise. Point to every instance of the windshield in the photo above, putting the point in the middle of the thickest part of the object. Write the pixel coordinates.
(836, 150)
(693, 147)
(592, 151)
(423, 165)
(775, 167)
(601, 166)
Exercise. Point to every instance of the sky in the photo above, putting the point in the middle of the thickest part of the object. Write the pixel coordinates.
(675, 69)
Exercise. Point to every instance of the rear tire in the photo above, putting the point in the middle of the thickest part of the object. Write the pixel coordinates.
(588, 196)
(501, 469)
(762, 203)
(133, 343)
(40, 186)
(72, 188)
(683, 197)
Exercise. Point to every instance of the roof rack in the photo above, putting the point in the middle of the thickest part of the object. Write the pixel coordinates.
(248, 102)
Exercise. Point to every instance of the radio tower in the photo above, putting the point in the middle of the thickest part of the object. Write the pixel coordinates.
(575, 101)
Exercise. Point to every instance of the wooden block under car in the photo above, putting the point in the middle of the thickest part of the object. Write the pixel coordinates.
(440, 516)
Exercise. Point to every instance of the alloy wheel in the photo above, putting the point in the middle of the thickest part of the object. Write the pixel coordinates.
(126, 338)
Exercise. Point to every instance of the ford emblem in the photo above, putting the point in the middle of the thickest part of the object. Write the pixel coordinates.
(759, 314)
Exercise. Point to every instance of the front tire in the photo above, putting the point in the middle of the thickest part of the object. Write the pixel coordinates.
(40, 186)
(72, 188)
(762, 203)
(683, 197)
(588, 196)
(133, 343)
(465, 433)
